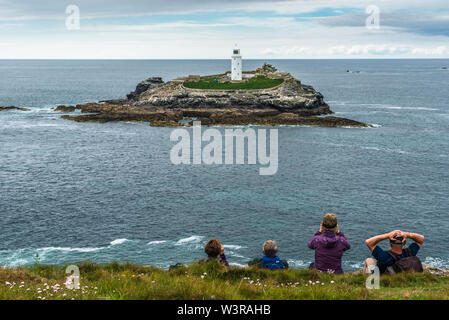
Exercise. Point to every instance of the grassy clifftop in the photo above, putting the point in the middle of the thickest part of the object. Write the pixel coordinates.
(252, 84)
(210, 281)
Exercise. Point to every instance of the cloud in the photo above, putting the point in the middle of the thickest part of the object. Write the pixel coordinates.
(157, 29)
(386, 49)
(54, 9)
(434, 24)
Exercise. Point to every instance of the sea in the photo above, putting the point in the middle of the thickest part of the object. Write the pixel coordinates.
(73, 192)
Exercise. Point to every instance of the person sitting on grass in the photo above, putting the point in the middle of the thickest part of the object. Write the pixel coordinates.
(397, 259)
(214, 249)
(270, 259)
(329, 244)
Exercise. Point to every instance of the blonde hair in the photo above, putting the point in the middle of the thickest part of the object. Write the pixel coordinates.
(270, 248)
(330, 222)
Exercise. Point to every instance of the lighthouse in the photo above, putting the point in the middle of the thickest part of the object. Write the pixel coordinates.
(236, 71)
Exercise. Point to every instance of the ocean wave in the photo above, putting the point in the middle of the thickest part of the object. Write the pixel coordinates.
(232, 246)
(156, 242)
(118, 241)
(235, 264)
(298, 263)
(68, 249)
(189, 240)
(437, 262)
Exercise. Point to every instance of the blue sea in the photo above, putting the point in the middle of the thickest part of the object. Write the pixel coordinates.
(73, 192)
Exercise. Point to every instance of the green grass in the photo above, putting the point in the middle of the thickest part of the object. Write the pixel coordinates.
(210, 281)
(259, 82)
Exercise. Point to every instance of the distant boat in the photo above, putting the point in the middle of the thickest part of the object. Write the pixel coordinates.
(444, 68)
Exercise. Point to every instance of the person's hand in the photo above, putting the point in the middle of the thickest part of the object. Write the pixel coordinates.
(404, 235)
(394, 234)
(222, 250)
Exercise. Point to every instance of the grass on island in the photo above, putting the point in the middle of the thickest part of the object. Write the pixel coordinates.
(259, 82)
(210, 281)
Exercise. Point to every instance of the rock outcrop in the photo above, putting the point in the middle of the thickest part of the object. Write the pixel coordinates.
(435, 270)
(65, 109)
(167, 103)
(13, 108)
(144, 86)
(290, 95)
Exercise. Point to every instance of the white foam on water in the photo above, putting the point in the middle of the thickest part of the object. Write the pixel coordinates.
(189, 240)
(298, 264)
(156, 242)
(357, 265)
(385, 150)
(118, 241)
(68, 249)
(394, 107)
(437, 262)
(232, 246)
(235, 264)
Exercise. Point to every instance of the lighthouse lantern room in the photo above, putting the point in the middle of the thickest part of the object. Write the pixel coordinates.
(236, 71)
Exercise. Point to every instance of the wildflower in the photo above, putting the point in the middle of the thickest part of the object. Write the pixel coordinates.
(332, 281)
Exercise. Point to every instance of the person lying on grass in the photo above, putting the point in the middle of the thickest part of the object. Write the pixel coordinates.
(388, 261)
(214, 249)
(329, 244)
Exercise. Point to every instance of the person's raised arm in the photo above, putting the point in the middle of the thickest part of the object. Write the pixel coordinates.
(418, 238)
(372, 242)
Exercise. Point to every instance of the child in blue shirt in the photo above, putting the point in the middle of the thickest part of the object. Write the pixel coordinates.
(270, 259)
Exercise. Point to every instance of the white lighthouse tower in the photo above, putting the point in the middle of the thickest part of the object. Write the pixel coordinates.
(236, 71)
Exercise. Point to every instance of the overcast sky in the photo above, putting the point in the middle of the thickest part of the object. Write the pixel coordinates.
(196, 29)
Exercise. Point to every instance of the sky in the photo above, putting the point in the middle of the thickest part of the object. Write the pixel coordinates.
(197, 29)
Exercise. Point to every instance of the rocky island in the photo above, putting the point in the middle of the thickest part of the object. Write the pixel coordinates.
(264, 96)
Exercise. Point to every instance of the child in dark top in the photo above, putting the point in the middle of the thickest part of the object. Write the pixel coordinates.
(214, 249)
(270, 259)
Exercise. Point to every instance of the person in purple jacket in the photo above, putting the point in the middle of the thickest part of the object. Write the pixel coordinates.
(329, 244)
